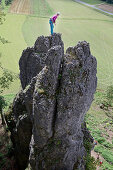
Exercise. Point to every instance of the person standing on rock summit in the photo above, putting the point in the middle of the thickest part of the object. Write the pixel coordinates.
(52, 21)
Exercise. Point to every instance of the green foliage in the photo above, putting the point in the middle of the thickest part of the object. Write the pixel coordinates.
(10, 118)
(2, 17)
(6, 79)
(2, 102)
(2, 160)
(9, 98)
(5, 163)
(92, 2)
(100, 96)
(9, 149)
(7, 2)
(90, 163)
(6, 151)
(97, 132)
(87, 145)
(101, 140)
(1, 156)
(7, 76)
(105, 97)
(109, 1)
(98, 148)
(59, 142)
(2, 105)
(11, 50)
(107, 154)
(107, 166)
(59, 76)
(109, 95)
(3, 40)
(107, 144)
(98, 122)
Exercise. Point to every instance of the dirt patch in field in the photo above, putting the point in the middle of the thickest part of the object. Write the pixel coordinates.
(21, 7)
(109, 137)
(98, 158)
(106, 7)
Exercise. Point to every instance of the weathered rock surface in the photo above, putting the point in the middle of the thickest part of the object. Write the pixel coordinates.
(33, 59)
(57, 92)
(20, 125)
(44, 104)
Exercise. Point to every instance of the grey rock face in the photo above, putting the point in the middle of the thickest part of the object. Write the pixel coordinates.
(20, 126)
(42, 44)
(31, 63)
(65, 149)
(58, 91)
(33, 59)
(21, 137)
(44, 97)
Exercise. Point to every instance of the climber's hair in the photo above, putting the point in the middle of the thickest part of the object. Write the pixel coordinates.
(58, 13)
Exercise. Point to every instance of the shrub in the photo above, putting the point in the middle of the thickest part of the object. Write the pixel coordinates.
(7, 2)
(90, 163)
(107, 144)
(109, 1)
(108, 156)
(107, 166)
(101, 140)
(109, 95)
(98, 149)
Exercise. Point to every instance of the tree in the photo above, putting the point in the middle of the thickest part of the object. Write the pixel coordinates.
(2, 105)
(109, 1)
(6, 78)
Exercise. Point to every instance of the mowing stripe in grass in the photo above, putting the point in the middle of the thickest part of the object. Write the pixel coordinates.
(41, 7)
(107, 154)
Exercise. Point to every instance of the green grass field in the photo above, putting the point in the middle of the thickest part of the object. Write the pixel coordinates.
(41, 8)
(93, 2)
(11, 30)
(88, 25)
(76, 23)
(79, 23)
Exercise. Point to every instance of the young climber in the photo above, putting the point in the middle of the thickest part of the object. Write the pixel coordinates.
(52, 21)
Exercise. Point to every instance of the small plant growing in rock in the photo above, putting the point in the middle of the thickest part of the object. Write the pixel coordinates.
(40, 91)
(59, 76)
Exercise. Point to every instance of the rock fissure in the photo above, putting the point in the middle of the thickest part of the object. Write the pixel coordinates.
(56, 96)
